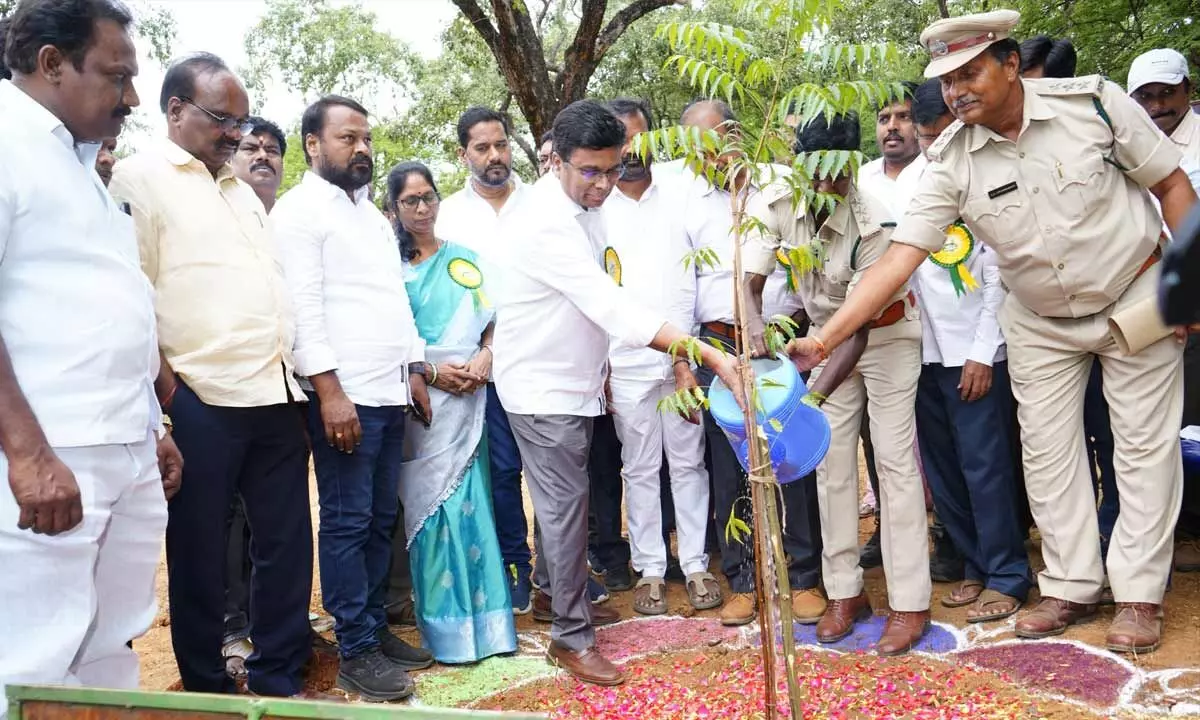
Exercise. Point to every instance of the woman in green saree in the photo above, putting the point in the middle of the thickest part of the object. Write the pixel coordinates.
(460, 591)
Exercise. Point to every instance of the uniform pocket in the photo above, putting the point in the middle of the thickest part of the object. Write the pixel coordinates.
(997, 219)
(1079, 185)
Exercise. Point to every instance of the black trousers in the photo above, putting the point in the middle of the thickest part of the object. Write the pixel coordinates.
(731, 494)
(237, 573)
(1189, 514)
(259, 452)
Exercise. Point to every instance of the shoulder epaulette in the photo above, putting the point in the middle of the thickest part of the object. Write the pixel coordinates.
(1085, 85)
(943, 141)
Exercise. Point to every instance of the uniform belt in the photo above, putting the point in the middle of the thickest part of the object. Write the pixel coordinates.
(893, 313)
(1154, 257)
(720, 328)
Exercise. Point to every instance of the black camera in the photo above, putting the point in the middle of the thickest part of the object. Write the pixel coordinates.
(1179, 288)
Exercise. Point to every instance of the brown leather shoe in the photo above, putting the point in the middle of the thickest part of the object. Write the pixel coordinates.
(542, 612)
(808, 606)
(587, 665)
(1187, 556)
(1137, 628)
(839, 618)
(741, 609)
(1052, 616)
(902, 631)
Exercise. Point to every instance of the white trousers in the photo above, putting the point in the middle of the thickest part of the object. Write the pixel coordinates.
(69, 603)
(645, 433)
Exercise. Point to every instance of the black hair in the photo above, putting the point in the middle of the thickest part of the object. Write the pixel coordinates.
(624, 107)
(841, 132)
(547, 137)
(928, 104)
(588, 125)
(262, 125)
(69, 25)
(4, 72)
(180, 80)
(397, 179)
(1001, 49)
(720, 106)
(313, 120)
(908, 88)
(475, 115)
(1056, 58)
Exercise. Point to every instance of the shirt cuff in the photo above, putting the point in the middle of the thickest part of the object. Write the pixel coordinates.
(1162, 162)
(315, 360)
(919, 233)
(983, 353)
(758, 258)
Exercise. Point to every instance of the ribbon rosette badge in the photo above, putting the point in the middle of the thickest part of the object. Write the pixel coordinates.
(467, 274)
(953, 257)
(612, 264)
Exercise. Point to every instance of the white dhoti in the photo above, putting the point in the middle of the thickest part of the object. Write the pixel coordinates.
(645, 433)
(70, 603)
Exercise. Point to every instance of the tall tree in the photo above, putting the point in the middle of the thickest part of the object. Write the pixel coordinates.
(543, 83)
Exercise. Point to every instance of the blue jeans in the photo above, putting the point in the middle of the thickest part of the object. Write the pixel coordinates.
(512, 528)
(358, 494)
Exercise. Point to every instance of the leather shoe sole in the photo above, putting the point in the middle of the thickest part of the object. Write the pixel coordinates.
(580, 674)
(863, 614)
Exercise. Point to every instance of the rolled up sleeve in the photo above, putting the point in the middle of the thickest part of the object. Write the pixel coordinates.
(300, 246)
(934, 207)
(1147, 154)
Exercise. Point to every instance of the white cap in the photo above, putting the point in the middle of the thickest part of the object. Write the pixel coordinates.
(1157, 66)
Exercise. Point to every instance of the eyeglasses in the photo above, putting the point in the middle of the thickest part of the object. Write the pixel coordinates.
(411, 202)
(225, 122)
(592, 174)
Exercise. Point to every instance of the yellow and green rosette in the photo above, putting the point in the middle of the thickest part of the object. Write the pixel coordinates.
(960, 242)
(786, 263)
(612, 264)
(468, 275)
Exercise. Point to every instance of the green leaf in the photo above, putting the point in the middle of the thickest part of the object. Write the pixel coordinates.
(775, 425)
(736, 530)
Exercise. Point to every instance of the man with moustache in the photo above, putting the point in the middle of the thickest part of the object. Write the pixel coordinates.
(553, 389)
(83, 511)
(105, 159)
(475, 217)
(258, 161)
(1160, 83)
(358, 348)
(225, 334)
(1052, 175)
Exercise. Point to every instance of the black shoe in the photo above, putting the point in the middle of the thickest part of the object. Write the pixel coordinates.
(674, 571)
(945, 570)
(871, 555)
(401, 653)
(594, 563)
(619, 578)
(374, 677)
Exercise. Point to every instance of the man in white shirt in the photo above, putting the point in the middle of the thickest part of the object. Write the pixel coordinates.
(475, 217)
(1159, 81)
(357, 344)
(708, 223)
(225, 334)
(645, 253)
(555, 311)
(964, 401)
(82, 514)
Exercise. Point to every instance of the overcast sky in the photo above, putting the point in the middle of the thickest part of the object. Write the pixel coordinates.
(219, 26)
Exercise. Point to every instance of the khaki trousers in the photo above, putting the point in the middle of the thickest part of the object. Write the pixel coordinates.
(1049, 360)
(885, 383)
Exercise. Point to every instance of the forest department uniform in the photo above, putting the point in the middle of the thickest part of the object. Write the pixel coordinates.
(1076, 237)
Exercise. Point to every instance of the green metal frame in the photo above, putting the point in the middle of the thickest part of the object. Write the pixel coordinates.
(252, 708)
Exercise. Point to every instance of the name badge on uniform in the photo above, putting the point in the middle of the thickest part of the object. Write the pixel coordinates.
(1002, 190)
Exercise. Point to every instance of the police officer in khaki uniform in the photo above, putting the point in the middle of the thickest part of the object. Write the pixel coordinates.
(879, 367)
(1051, 175)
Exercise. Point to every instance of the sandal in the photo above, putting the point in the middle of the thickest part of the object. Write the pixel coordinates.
(1008, 606)
(704, 593)
(236, 652)
(967, 592)
(649, 596)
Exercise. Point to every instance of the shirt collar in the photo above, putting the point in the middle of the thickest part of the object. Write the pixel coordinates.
(550, 188)
(1187, 129)
(181, 158)
(323, 186)
(839, 222)
(38, 118)
(1034, 108)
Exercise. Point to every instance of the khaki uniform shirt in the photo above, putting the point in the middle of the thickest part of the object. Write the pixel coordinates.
(225, 320)
(1070, 228)
(849, 242)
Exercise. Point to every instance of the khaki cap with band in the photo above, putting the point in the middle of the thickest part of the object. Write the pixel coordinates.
(954, 42)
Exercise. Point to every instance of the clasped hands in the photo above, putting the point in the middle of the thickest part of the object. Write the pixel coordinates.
(464, 378)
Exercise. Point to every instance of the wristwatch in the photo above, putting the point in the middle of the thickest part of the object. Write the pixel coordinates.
(419, 368)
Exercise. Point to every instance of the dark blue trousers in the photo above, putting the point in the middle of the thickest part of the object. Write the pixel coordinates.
(358, 494)
(1097, 432)
(512, 528)
(966, 452)
(260, 453)
(605, 492)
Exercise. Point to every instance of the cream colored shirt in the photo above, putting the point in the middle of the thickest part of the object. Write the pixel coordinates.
(1186, 137)
(225, 321)
(848, 243)
(1070, 229)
